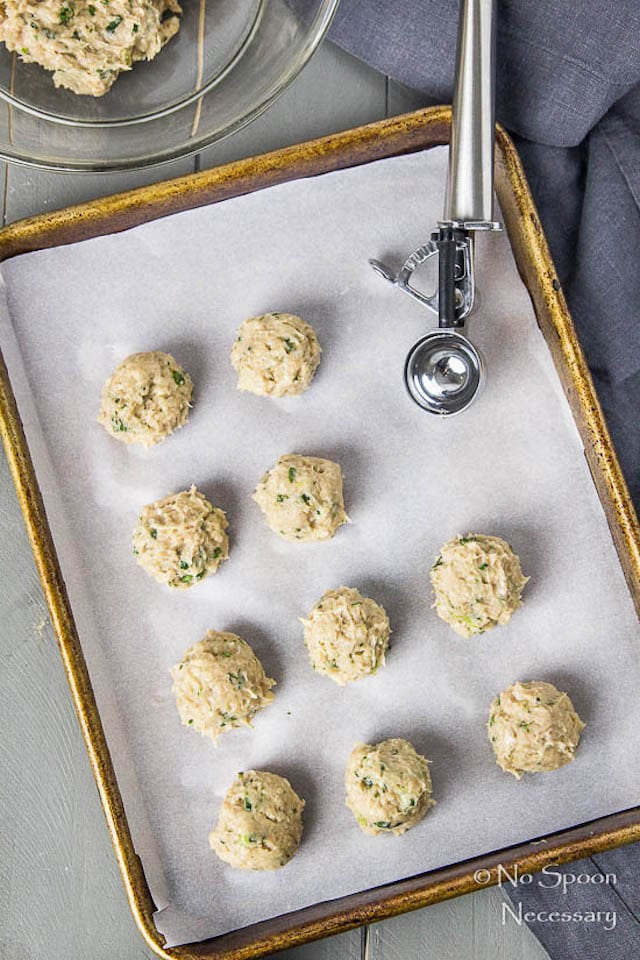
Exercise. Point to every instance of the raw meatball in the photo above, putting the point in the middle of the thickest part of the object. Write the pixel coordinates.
(301, 498)
(220, 684)
(346, 635)
(533, 727)
(87, 45)
(146, 398)
(275, 355)
(478, 583)
(181, 539)
(260, 822)
(388, 786)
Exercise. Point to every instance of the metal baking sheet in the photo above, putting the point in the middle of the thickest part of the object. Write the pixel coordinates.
(400, 310)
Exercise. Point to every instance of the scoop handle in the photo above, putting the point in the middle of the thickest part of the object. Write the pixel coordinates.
(469, 195)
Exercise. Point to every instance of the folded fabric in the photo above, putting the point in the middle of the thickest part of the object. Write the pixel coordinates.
(588, 909)
(568, 91)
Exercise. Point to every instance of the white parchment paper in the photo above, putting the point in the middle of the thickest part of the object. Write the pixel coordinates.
(511, 465)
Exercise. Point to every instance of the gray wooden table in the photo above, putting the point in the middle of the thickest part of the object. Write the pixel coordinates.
(60, 892)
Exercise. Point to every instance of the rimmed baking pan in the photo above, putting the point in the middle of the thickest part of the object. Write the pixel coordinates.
(414, 132)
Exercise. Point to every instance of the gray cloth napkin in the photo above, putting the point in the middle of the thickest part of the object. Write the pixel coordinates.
(568, 90)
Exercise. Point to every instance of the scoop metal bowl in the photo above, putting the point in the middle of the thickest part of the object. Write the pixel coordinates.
(444, 372)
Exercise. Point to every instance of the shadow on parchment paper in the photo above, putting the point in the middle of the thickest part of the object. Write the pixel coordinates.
(304, 782)
(223, 493)
(441, 753)
(526, 542)
(582, 693)
(395, 600)
(263, 645)
(356, 466)
(322, 315)
(196, 357)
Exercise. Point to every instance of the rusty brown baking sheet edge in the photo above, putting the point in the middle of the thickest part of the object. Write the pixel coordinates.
(403, 134)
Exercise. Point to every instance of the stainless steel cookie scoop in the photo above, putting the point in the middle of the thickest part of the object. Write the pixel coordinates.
(444, 371)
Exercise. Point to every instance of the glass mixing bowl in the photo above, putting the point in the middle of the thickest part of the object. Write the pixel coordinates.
(230, 60)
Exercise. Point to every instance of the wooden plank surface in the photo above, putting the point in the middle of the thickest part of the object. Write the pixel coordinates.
(60, 892)
(469, 928)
